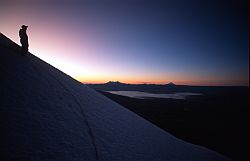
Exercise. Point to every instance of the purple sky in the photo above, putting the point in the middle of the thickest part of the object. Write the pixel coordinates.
(198, 43)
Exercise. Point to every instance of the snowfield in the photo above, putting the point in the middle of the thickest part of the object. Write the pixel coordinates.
(48, 116)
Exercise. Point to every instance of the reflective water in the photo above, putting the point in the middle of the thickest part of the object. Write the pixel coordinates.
(145, 95)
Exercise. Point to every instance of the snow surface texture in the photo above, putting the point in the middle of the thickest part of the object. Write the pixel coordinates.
(48, 116)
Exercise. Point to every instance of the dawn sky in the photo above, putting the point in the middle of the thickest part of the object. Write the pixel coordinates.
(137, 41)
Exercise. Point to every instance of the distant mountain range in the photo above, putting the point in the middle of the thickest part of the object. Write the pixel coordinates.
(164, 88)
(119, 83)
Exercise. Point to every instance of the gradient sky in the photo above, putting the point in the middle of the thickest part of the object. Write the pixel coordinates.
(136, 41)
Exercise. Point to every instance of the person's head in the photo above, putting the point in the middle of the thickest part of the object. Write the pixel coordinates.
(24, 27)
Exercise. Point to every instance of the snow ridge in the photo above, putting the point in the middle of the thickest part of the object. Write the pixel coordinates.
(93, 140)
(46, 115)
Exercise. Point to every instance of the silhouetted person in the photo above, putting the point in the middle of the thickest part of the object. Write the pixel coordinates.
(24, 39)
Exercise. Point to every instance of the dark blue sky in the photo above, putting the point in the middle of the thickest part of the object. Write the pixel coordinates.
(187, 42)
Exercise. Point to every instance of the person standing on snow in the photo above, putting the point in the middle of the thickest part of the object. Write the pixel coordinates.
(24, 39)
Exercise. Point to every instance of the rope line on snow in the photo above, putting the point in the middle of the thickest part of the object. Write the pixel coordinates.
(93, 140)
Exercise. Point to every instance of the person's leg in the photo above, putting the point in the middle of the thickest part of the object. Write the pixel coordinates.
(24, 49)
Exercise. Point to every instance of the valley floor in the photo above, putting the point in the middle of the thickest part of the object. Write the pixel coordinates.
(218, 121)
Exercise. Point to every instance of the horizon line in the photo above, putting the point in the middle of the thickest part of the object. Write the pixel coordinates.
(152, 83)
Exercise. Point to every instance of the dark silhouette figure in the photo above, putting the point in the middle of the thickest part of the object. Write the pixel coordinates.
(24, 39)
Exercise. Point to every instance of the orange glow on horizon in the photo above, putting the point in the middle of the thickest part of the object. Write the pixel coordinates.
(162, 82)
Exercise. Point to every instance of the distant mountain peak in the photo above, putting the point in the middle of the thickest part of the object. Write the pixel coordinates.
(114, 82)
(171, 84)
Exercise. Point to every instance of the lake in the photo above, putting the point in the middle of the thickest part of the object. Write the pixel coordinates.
(145, 95)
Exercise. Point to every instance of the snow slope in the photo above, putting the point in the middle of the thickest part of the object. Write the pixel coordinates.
(45, 115)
